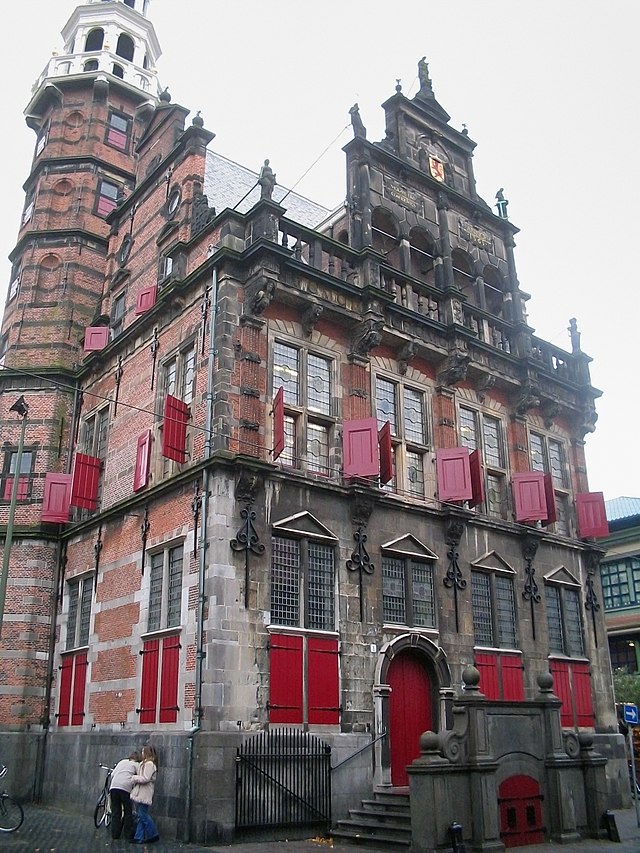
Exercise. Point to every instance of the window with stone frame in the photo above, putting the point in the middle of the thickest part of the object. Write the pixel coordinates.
(302, 583)
(564, 619)
(41, 141)
(303, 644)
(117, 314)
(14, 280)
(407, 591)
(106, 196)
(165, 588)
(623, 651)
(93, 441)
(79, 597)
(177, 378)
(29, 205)
(484, 432)
(405, 408)
(160, 671)
(496, 654)
(118, 131)
(25, 476)
(548, 455)
(621, 582)
(306, 378)
(4, 345)
(494, 610)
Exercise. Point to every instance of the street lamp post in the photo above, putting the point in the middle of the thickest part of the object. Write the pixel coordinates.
(22, 409)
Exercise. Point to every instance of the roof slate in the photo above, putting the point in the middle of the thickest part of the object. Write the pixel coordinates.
(618, 508)
(227, 183)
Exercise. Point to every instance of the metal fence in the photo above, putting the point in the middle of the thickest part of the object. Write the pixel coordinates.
(283, 778)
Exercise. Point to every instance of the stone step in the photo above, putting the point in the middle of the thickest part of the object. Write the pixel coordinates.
(400, 819)
(372, 839)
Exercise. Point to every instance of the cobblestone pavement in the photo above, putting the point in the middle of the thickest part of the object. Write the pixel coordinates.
(47, 830)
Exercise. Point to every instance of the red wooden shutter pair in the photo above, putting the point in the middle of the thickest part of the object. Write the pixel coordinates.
(572, 685)
(23, 488)
(73, 682)
(167, 710)
(174, 433)
(143, 457)
(286, 680)
(529, 496)
(95, 338)
(360, 448)
(500, 670)
(460, 475)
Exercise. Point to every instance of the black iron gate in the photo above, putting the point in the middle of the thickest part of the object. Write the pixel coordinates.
(283, 778)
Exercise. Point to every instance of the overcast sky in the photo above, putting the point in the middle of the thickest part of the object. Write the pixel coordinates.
(547, 89)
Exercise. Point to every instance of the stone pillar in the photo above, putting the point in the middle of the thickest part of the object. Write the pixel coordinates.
(382, 774)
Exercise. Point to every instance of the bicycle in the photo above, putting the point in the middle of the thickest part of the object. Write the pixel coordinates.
(102, 811)
(11, 812)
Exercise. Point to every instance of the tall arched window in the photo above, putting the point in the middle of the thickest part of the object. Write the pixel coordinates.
(118, 71)
(125, 47)
(423, 250)
(493, 291)
(385, 233)
(463, 276)
(94, 41)
(91, 65)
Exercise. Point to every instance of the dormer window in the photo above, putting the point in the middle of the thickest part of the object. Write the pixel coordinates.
(91, 65)
(118, 71)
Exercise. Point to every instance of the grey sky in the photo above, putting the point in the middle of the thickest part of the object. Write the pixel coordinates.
(547, 90)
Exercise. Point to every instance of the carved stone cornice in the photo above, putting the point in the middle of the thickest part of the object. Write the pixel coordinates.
(455, 367)
(529, 397)
(310, 317)
(259, 294)
(405, 354)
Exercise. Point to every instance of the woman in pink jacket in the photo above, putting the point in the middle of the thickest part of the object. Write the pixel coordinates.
(142, 796)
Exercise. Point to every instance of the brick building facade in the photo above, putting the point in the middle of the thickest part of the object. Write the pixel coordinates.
(282, 466)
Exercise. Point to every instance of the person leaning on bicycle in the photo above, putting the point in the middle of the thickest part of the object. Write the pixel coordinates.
(120, 793)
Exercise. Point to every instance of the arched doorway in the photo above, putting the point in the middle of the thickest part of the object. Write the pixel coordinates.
(410, 711)
(520, 811)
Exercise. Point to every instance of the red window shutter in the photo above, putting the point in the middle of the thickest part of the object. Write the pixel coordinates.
(79, 686)
(86, 477)
(143, 456)
(278, 423)
(285, 679)
(454, 474)
(511, 672)
(57, 497)
(146, 298)
(360, 448)
(561, 687)
(174, 432)
(323, 683)
(592, 516)
(149, 681)
(95, 338)
(117, 139)
(477, 479)
(550, 497)
(386, 453)
(487, 666)
(105, 205)
(64, 700)
(529, 497)
(169, 680)
(23, 488)
(581, 684)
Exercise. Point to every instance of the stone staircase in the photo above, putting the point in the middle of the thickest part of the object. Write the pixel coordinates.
(384, 821)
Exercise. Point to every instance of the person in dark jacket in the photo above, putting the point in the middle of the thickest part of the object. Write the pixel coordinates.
(120, 793)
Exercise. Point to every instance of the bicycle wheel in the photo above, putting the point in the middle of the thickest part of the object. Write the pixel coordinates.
(100, 813)
(107, 811)
(11, 814)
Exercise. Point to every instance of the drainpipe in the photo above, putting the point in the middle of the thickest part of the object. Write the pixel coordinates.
(46, 711)
(202, 552)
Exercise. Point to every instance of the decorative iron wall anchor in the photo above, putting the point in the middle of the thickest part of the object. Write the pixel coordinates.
(454, 578)
(247, 540)
(591, 602)
(153, 349)
(118, 378)
(360, 562)
(145, 527)
(530, 592)
(97, 549)
(195, 509)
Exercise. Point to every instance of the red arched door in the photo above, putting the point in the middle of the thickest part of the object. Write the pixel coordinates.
(520, 811)
(410, 712)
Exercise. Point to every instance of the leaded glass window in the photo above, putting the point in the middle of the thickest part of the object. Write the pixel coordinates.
(407, 592)
(480, 431)
(165, 589)
(564, 619)
(404, 407)
(302, 583)
(494, 610)
(548, 456)
(621, 582)
(79, 614)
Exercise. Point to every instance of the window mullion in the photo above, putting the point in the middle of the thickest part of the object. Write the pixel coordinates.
(408, 592)
(303, 607)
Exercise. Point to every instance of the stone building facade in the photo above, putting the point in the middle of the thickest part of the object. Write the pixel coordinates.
(282, 466)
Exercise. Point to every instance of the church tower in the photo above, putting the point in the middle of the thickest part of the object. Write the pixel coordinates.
(89, 106)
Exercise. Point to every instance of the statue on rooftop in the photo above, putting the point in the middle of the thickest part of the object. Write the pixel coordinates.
(501, 204)
(359, 130)
(267, 180)
(574, 335)
(423, 75)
